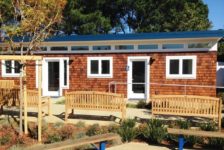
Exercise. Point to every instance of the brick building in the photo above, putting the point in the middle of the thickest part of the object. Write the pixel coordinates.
(136, 65)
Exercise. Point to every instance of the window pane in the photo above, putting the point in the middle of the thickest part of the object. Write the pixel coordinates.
(59, 48)
(105, 67)
(65, 72)
(174, 66)
(148, 46)
(8, 66)
(106, 47)
(17, 67)
(173, 46)
(124, 47)
(187, 66)
(80, 48)
(94, 67)
(199, 45)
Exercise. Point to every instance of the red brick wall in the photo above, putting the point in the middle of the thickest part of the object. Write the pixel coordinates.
(206, 73)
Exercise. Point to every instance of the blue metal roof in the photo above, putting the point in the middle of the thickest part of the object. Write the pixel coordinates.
(138, 36)
(135, 36)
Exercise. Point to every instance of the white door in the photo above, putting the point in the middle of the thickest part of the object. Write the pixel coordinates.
(51, 78)
(55, 76)
(138, 77)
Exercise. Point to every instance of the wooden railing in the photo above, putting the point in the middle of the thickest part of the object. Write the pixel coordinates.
(91, 100)
(187, 105)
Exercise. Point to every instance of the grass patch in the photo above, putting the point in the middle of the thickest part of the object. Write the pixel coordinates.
(131, 105)
(61, 102)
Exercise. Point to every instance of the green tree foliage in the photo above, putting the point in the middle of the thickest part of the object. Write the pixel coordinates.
(85, 17)
(101, 16)
(221, 50)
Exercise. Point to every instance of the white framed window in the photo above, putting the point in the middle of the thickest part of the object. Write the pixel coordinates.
(10, 68)
(181, 67)
(99, 67)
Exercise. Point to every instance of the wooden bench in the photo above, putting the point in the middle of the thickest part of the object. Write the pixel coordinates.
(10, 97)
(91, 100)
(182, 132)
(68, 144)
(187, 105)
(8, 84)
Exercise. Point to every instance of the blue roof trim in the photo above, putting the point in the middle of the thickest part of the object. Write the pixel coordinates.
(138, 36)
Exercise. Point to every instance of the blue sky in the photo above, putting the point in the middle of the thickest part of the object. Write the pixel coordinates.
(216, 13)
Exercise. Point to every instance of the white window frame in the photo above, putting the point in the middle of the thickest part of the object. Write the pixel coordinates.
(99, 75)
(181, 75)
(13, 74)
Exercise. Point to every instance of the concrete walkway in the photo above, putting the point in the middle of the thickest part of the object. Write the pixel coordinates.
(137, 146)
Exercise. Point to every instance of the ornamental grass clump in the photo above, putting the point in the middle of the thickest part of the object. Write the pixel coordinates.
(154, 131)
(127, 130)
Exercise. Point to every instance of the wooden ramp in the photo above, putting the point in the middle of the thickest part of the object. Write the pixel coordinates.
(76, 143)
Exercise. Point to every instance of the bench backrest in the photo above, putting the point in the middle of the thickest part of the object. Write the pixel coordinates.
(94, 100)
(189, 105)
(7, 84)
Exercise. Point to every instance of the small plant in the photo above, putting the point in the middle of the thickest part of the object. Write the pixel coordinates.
(112, 128)
(96, 130)
(127, 130)
(53, 137)
(5, 139)
(210, 126)
(80, 124)
(154, 131)
(66, 131)
(58, 125)
(182, 124)
(131, 105)
(141, 104)
(218, 143)
(78, 135)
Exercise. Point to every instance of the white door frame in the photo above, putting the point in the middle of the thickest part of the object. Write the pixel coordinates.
(129, 76)
(61, 75)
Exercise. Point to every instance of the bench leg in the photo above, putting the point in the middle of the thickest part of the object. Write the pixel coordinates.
(181, 142)
(103, 145)
(66, 114)
(1, 110)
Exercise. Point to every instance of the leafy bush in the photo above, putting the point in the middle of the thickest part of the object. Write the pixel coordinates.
(155, 131)
(96, 130)
(193, 140)
(113, 128)
(143, 104)
(53, 137)
(80, 124)
(66, 131)
(183, 124)
(217, 143)
(127, 130)
(221, 95)
(210, 126)
(5, 139)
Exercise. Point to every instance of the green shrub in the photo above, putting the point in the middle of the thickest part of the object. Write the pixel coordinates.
(58, 125)
(113, 128)
(80, 124)
(131, 105)
(217, 143)
(5, 139)
(79, 135)
(155, 131)
(96, 130)
(53, 137)
(221, 95)
(193, 140)
(210, 126)
(183, 124)
(141, 104)
(127, 130)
